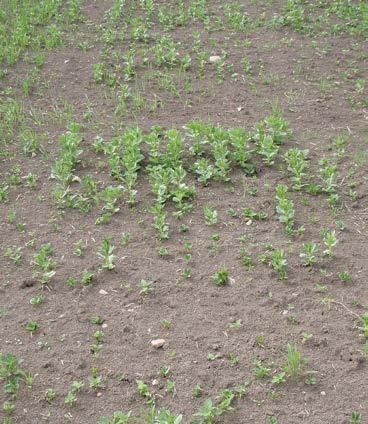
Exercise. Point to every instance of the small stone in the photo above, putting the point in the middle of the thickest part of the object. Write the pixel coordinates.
(99, 394)
(104, 325)
(157, 343)
(323, 393)
(215, 58)
(154, 382)
(102, 291)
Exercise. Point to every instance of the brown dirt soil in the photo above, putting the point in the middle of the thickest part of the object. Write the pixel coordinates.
(60, 352)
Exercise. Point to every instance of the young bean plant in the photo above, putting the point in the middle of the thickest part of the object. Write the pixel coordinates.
(297, 165)
(308, 255)
(106, 254)
(330, 240)
(279, 263)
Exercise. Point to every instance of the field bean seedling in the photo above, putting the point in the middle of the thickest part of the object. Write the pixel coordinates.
(184, 211)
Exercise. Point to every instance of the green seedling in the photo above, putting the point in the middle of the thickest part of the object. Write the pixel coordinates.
(344, 276)
(37, 300)
(260, 371)
(160, 223)
(167, 323)
(328, 173)
(106, 254)
(95, 349)
(187, 272)
(8, 408)
(260, 340)
(356, 417)
(32, 327)
(188, 246)
(359, 85)
(145, 287)
(247, 260)
(219, 146)
(247, 66)
(98, 335)
(78, 248)
(164, 371)
(256, 216)
(110, 196)
(50, 395)
(297, 165)
(242, 389)
(4, 192)
(306, 337)
(70, 399)
(31, 180)
(308, 255)
(267, 148)
(46, 265)
(170, 387)
(364, 327)
(119, 417)
(125, 238)
(295, 364)
(334, 201)
(165, 52)
(210, 215)
(232, 212)
(183, 228)
(279, 378)
(71, 281)
(233, 359)
(285, 210)
(198, 391)
(221, 277)
(99, 73)
(97, 320)
(237, 19)
(341, 225)
(340, 142)
(204, 170)
(77, 386)
(241, 153)
(143, 389)
(212, 357)
(330, 240)
(131, 141)
(95, 382)
(220, 70)
(207, 412)
(86, 278)
(225, 400)
(215, 242)
(187, 258)
(279, 263)
(236, 325)
(163, 251)
(15, 254)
